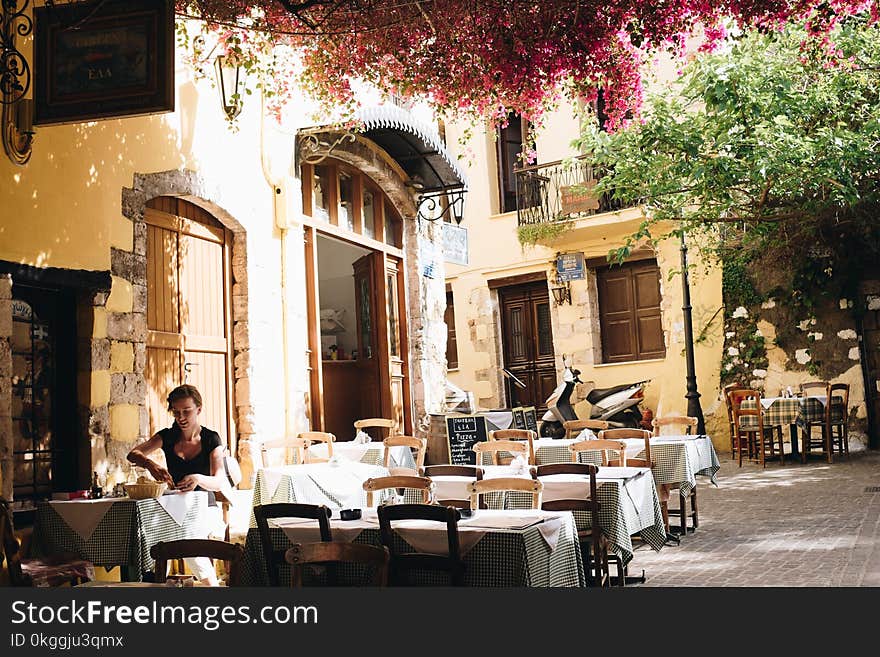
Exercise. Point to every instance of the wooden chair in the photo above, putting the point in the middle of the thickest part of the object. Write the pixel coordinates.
(574, 427)
(835, 417)
(525, 435)
(751, 437)
(403, 563)
(312, 437)
(725, 391)
(381, 424)
(504, 484)
(297, 446)
(809, 388)
(399, 440)
(602, 446)
(263, 512)
(374, 557)
(495, 447)
(594, 544)
(164, 551)
(473, 471)
(681, 425)
(54, 570)
(423, 484)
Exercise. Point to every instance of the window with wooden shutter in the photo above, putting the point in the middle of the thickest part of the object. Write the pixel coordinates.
(451, 340)
(629, 312)
(510, 144)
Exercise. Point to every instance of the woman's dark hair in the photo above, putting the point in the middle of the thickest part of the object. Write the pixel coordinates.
(182, 392)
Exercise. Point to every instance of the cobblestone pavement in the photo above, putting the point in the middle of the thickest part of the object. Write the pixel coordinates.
(792, 525)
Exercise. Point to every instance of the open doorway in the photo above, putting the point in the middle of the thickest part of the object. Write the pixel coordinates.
(348, 321)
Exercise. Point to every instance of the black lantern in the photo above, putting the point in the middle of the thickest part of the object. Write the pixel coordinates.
(561, 292)
(229, 80)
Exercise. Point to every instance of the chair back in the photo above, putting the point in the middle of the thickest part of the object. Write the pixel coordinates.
(737, 396)
(291, 446)
(164, 551)
(312, 437)
(677, 425)
(9, 546)
(602, 446)
(494, 447)
(403, 562)
(574, 427)
(837, 393)
(338, 552)
(814, 388)
(626, 434)
(423, 484)
(381, 424)
(525, 435)
(263, 512)
(503, 484)
(399, 440)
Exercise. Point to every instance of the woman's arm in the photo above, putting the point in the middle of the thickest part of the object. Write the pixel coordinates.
(215, 481)
(139, 457)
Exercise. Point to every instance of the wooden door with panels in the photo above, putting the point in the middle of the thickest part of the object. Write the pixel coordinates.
(527, 342)
(189, 327)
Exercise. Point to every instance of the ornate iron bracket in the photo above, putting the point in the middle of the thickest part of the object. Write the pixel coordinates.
(315, 151)
(437, 205)
(15, 82)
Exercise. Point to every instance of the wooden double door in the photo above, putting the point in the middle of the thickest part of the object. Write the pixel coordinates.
(527, 343)
(188, 319)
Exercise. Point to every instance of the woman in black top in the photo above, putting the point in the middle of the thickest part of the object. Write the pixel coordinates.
(194, 454)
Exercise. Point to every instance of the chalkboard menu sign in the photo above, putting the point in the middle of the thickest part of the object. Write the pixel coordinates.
(519, 418)
(462, 433)
(530, 418)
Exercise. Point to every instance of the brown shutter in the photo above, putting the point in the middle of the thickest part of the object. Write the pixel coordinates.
(451, 339)
(629, 312)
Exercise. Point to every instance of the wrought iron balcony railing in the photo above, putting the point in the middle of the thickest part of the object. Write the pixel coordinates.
(560, 192)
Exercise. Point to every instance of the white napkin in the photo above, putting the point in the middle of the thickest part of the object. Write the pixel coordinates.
(177, 505)
(586, 434)
(430, 537)
(83, 516)
(550, 530)
(361, 438)
(519, 465)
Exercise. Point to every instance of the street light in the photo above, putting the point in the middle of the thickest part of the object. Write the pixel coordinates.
(693, 405)
(229, 79)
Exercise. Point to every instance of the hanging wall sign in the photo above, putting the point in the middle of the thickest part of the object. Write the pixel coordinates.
(455, 244)
(106, 59)
(570, 267)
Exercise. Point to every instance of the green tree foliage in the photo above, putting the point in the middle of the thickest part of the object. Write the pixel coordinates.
(769, 146)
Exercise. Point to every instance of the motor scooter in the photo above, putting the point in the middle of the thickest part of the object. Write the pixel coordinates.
(619, 405)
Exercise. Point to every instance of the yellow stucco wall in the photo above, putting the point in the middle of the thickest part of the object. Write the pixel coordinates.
(495, 252)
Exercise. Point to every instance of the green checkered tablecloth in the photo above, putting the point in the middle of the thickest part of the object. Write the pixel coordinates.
(373, 454)
(784, 411)
(123, 537)
(501, 558)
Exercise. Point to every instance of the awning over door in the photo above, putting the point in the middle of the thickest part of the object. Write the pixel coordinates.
(415, 146)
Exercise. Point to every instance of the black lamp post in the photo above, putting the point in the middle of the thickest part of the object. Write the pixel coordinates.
(693, 405)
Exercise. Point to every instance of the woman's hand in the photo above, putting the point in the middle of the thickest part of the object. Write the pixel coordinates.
(189, 482)
(159, 473)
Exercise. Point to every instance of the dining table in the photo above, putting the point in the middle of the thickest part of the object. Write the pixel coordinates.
(628, 498)
(369, 452)
(793, 412)
(500, 548)
(119, 531)
(337, 484)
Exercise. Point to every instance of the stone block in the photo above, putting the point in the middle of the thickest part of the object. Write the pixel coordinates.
(99, 354)
(127, 388)
(127, 326)
(98, 382)
(124, 422)
(99, 421)
(140, 238)
(5, 318)
(239, 308)
(130, 266)
(144, 422)
(5, 395)
(482, 332)
(121, 357)
(99, 323)
(139, 298)
(5, 358)
(5, 286)
(240, 336)
(242, 360)
(243, 389)
(140, 356)
(133, 203)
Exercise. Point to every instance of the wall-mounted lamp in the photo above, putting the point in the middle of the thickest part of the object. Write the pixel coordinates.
(230, 80)
(561, 292)
(442, 203)
(16, 118)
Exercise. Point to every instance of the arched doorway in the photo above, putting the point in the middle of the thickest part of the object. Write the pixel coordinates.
(189, 324)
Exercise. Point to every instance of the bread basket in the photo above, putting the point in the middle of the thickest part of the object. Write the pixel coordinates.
(144, 489)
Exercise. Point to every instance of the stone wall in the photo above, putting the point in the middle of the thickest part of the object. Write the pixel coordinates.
(6, 476)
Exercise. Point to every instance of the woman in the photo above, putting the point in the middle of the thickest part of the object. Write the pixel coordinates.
(194, 455)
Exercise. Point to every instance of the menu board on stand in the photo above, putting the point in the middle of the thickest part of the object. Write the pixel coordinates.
(462, 433)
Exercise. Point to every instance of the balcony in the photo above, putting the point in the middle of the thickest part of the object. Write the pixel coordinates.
(560, 192)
